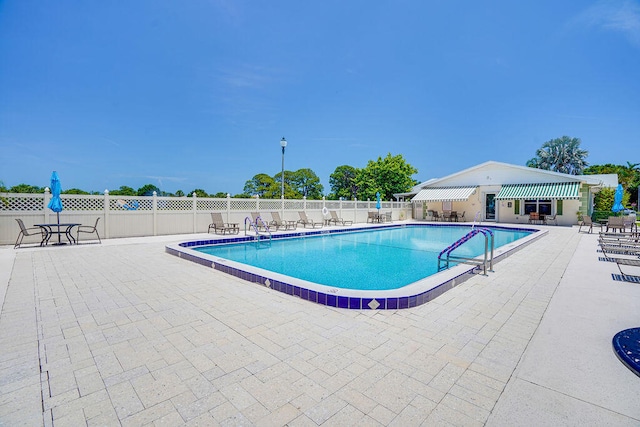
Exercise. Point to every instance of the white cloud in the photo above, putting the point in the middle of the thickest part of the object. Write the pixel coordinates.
(618, 16)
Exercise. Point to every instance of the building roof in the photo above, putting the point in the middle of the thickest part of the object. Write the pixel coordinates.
(498, 173)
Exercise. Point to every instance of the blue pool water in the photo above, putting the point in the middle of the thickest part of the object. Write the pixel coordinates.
(372, 260)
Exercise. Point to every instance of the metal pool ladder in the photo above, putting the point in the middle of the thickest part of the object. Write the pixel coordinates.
(256, 229)
(478, 219)
(445, 257)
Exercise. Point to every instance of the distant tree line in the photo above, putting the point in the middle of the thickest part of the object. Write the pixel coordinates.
(388, 175)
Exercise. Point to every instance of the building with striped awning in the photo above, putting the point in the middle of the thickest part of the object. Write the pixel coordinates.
(556, 190)
(501, 192)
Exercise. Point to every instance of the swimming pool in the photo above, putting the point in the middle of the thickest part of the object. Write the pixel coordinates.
(339, 249)
(380, 259)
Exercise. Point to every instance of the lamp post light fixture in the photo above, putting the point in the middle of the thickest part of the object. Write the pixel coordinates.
(283, 144)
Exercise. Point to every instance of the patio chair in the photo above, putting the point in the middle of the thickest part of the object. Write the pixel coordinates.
(461, 217)
(615, 223)
(534, 217)
(436, 216)
(587, 222)
(29, 231)
(306, 221)
(88, 229)
(387, 217)
(372, 216)
(220, 227)
(629, 221)
(278, 223)
(549, 219)
(337, 220)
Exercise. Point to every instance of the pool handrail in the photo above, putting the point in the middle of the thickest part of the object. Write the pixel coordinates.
(254, 225)
(487, 233)
(475, 218)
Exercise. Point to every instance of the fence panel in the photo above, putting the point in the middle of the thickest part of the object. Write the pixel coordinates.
(134, 216)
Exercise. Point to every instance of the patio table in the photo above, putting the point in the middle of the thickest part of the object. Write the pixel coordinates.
(59, 229)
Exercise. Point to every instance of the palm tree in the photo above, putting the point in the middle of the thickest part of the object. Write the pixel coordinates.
(561, 155)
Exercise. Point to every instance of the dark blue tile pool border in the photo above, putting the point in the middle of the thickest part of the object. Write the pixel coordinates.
(347, 302)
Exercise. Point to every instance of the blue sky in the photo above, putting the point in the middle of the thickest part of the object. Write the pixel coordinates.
(197, 94)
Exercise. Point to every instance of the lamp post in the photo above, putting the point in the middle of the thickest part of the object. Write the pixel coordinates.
(283, 144)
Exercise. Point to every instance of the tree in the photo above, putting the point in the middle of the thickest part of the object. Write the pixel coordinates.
(290, 192)
(74, 191)
(199, 192)
(219, 195)
(603, 199)
(387, 176)
(306, 183)
(148, 190)
(179, 193)
(261, 185)
(343, 183)
(628, 176)
(124, 191)
(24, 188)
(560, 155)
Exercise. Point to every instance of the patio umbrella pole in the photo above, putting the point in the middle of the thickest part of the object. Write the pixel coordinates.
(55, 204)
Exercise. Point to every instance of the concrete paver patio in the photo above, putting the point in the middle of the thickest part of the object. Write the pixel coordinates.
(124, 334)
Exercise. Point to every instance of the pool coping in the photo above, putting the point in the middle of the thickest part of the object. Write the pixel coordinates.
(412, 295)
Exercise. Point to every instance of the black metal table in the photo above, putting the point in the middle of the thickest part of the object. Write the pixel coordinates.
(59, 229)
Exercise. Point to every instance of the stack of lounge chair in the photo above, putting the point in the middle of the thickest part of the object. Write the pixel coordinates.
(623, 249)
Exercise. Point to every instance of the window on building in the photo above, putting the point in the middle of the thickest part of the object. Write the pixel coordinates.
(530, 206)
(543, 207)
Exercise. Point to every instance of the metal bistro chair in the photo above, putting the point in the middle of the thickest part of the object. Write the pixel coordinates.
(29, 231)
(89, 230)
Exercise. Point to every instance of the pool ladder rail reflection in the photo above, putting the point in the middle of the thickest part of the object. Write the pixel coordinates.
(256, 225)
(445, 257)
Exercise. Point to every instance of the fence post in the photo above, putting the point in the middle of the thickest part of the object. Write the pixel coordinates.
(304, 204)
(194, 204)
(107, 217)
(154, 208)
(257, 202)
(47, 197)
(228, 207)
(355, 209)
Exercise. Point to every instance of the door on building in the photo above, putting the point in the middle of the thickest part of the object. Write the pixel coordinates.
(490, 207)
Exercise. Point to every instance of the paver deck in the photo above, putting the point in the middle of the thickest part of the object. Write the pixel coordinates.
(124, 334)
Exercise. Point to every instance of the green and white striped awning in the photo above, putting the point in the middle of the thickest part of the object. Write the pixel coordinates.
(557, 190)
(453, 194)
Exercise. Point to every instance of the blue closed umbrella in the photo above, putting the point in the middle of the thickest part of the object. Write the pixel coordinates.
(617, 199)
(55, 204)
(378, 200)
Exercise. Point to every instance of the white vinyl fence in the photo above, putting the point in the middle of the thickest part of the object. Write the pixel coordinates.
(129, 216)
